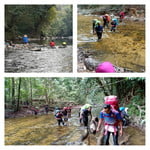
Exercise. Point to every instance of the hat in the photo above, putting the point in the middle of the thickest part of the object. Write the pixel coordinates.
(106, 106)
(105, 67)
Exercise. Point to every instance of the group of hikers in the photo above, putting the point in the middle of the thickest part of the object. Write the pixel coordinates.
(112, 117)
(107, 19)
(62, 115)
(25, 40)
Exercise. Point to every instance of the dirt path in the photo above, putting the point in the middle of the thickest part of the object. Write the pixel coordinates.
(47, 60)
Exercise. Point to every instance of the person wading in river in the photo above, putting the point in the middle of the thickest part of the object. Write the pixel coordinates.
(85, 112)
(58, 117)
(112, 120)
(99, 31)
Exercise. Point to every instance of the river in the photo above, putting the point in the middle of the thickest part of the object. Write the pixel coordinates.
(43, 130)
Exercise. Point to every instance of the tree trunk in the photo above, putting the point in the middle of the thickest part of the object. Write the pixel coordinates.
(13, 91)
(31, 91)
(18, 100)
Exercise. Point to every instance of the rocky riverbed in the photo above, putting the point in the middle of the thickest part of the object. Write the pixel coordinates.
(38, 58)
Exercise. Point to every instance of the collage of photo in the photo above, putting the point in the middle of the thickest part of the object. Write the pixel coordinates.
(50, 100)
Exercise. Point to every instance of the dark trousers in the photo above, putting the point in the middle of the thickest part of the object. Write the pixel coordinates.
(113, 28)
(60, 121)
(115, 138)
(99, 34)
(85, 121)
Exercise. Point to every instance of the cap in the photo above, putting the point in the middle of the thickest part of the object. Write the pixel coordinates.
(106, 106)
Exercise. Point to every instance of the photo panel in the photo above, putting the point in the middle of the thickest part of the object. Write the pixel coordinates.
(111, 38)
(38, 38)
(74, 111)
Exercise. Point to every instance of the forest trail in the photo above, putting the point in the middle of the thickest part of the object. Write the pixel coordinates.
(47, 60)
(43, 130)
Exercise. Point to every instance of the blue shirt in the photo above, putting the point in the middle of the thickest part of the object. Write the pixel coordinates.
(25, 39)
(110, 118)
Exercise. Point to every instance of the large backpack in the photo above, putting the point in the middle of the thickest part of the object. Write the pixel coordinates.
(112, 101)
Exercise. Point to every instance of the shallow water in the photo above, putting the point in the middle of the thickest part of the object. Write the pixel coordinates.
(124, 48)
(43, 130)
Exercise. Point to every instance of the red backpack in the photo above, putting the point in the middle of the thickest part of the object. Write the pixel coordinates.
(113, 101)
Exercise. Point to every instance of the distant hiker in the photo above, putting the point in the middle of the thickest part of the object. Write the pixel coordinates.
(64, 44)
(25, 39)
(121, 15)
(105, 67)
(46, 109)
(112, 120)
(59, 117)
(85, 112)
(114, 24)
(124, 115)
(99, 31)
(52, 44)
(106, 20)
(69, 111)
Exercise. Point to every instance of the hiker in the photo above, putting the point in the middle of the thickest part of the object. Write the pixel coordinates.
(69, 111)
(99, 31)
(46, 109)
(124, 115)
(52, 44)
(105, 67)
(65, 114)
(25, 39)
(85, 112)
(59, 117)
(106, 20)
(112, 120)
(114, 24)
(121, 15)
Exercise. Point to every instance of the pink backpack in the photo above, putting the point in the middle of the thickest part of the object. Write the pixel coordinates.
(105, 67)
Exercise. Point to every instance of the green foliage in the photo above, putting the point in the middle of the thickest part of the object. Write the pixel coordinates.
(51, 20)
(78, 90)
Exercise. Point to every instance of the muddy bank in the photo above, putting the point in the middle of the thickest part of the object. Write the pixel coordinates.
(38, 58)
(124, 48)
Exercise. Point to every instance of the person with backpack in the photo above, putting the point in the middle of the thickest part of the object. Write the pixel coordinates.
(52, 44)
(121, 15)
(25, 39)
(59, 117)
(94, 24)
(99, 31)
(106, 20)
(124, 115)
(85, 112)
(112, 124)
(114, 24)
(65, 114)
